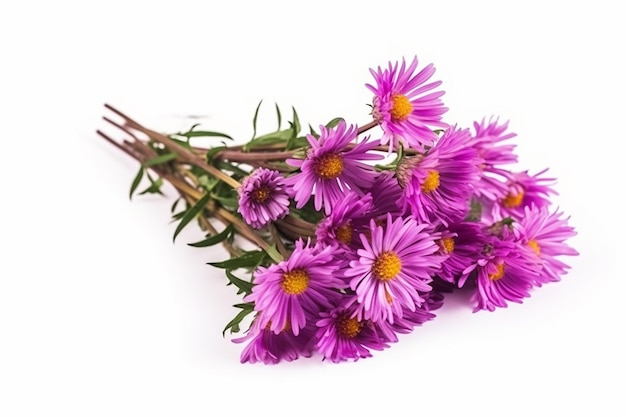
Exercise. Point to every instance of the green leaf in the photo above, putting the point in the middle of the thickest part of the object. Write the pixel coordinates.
(204, 133)
(161, 159)
(249, 260)
(273, 253)
(243, 286)
(334, 122)
(175, 204)
(192, 213)
(234, 324)
(475, 212)
(155, 186)
(136, 181)
(213, 239)
(295, 123)
(278, 115)
(212, 152)
(256, 115)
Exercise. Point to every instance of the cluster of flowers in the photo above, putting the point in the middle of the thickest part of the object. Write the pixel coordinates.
(447, 214)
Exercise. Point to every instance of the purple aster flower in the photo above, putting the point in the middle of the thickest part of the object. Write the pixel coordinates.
(295, 289)
(393, 266)
(331, 168)
(493, 154)
(422, 314)
(263, 197)
(505, 271)
(271, 348)
(545, 233)
(405, 106)
(350, 216)
(524, 190)
(462, 243)
(386, 195)
(438, 185)
(341, 336)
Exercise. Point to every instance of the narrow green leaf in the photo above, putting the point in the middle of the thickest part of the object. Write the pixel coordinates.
(204, 133)
(247, 260)
(334, 122)
(136, 182)
(274, 254)
(212, 152)
(213, 239)
(155, 186)
(256, 114)
(295, 122)
(234, 324)
(243, 286)
(192, 213)
(161, 159)
(174, 205)
(278, 115)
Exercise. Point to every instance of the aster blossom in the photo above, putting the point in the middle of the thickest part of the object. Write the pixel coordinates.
(290, 292)
(331, 168)
(438, 185)
(263, 197)
(397, 261)
(546, 233)
(406, 105)
(505, 270)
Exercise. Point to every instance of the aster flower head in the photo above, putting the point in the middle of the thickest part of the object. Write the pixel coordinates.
(394, 265)
(406, 105)
(263, 345)
(462, 243)
(505, 271)
(350, 216)
(546, 233)
(294, 290)
(331, 168)
(524, 190)
(493, 153)
(438, 185)
(263, 197)
(341, 336)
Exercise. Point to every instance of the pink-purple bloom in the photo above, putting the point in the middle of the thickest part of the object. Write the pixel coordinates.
(397, 261)
(341, 336)
(505, 271)
(406, 105)
(494, 152)
(524, 190)
(263, 197)
(268, 347)
(438, 185)
(289, 293)
(350, 216)
(331, 167)
(546, 233)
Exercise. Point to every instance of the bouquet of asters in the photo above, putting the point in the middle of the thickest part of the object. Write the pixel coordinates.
(353, 238)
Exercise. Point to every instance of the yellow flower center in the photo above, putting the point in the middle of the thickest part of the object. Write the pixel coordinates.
(295, 282)
(535, 246)
(401, 107)
(448, 244)
(329, 167)
(261, 194)
(431, 183)
(386, 266)
(348, 327)
(344, 233)
(513, 200)
(499, 273)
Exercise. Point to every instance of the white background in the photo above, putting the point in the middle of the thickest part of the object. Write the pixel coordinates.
(101, 314)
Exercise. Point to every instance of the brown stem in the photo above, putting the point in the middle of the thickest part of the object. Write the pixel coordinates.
(180, 150)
